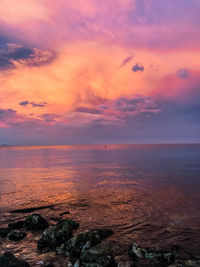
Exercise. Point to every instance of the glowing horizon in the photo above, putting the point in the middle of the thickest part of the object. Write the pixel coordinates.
(93, 72)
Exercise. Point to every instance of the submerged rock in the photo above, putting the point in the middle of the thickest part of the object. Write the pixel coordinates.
(98, 256)
(16, 225)
(4, 232)
(16, 235)
(72, 223)
(35, 222)
(56, 235)
(64, 213)
(31, 209)
(9, 260)
(159, 257)
(85, 240)
(188, 263)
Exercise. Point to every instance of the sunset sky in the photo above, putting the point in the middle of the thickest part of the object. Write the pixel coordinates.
(90, 71)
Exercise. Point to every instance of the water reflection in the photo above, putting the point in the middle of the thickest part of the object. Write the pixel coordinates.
(149, 194)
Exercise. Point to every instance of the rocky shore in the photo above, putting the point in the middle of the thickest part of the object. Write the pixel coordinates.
(90, 248)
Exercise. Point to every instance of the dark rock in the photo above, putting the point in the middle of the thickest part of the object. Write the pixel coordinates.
(9, 260)
(16, 225)
(27, 210)
(35, 222)
(85, 240)
(4, 232)
(188, 263)
(72, 223)
(157, 257)
(56, 235)
(16, 235)
(64, 213)
(98, 256)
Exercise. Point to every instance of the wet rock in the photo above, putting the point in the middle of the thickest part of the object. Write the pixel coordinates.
(9, 260)
(77, 263)
(16, 235)
(56, 235)
(98, 256)
(157, 257)
(188, 263)
(64, 213)
(72, 223)
(125, 264)
(35, 222)
(4, 232)
(31, 209)
(16, 225)
(85, 240)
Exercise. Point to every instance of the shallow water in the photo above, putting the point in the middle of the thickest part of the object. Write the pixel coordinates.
(144, 193)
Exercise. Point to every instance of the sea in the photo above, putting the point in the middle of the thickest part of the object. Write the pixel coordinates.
(148, 194)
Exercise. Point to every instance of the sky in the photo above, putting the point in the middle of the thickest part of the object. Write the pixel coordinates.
(98, 72)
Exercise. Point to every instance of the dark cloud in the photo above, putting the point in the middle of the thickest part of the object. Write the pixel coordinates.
(11, 53)
(137, 67)
(126, 61)
(20, 53)
(39, 105)
(183, 73)
(33, 104)
(5, 64)
(49, 117)
(24, 103)
(7, 113)
(88, 110)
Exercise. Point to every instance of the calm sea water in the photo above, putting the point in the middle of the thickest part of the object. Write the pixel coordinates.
(145, 193)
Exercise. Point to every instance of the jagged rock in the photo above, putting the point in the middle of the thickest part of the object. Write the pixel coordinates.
(16, 235)
(188, 263)
(98, 256)
(4, 232)
(35, 222)
(159, 257)
(16, 225)
(72, 223)
(125, 264)
(9, 260)
(64, 213)
(85, 240)
(56, 235)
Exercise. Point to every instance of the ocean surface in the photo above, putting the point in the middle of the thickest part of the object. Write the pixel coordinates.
(149, 194)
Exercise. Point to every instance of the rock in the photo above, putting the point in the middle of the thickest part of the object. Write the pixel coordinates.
(77, 263)
(188, 263)
(35, 222)
(64, 213)
(4, 232)
(85, 240)
(9, 260)
(31, 209)
(125, 264)
(152, 255)
(16, 225)
(72, 223)
(98, 256)
(56, 235)
(16, 235)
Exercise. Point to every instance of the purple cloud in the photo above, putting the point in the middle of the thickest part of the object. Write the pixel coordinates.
(126, 61)
(183, 73)
(10, 53)
(39, 105)
(23, 103)
(88, 110)
(33, 104)
(137, 67)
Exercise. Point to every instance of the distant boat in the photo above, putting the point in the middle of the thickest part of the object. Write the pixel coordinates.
(106, 146)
